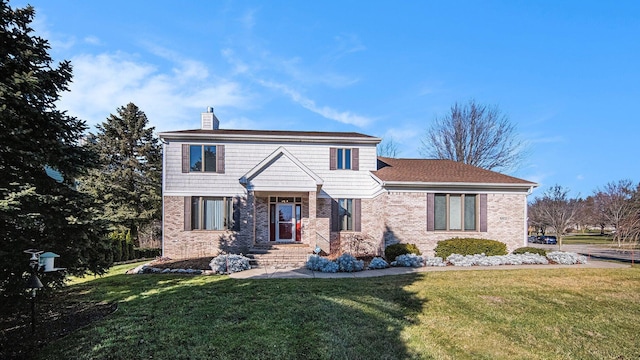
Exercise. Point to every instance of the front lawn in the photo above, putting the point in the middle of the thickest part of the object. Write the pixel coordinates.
(504, 314)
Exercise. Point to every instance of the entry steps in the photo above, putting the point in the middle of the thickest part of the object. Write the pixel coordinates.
(279, 255)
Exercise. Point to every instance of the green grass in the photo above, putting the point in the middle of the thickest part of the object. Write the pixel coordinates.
(115, 270)
(504, 314)
(595, 239)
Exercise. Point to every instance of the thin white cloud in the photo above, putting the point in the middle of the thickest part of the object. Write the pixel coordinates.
(248, 19)
(102, 83)
(93, 40)
(345, 117)
(345, 44)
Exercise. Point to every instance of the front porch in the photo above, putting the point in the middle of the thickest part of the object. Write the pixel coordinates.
(290, 218)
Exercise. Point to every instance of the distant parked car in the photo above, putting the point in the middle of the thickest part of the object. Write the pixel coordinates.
(551, 240)
(532, 239)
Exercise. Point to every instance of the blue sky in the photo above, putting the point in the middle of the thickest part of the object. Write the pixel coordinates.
(566, 73)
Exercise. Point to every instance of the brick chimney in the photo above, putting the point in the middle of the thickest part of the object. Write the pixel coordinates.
(209, 120)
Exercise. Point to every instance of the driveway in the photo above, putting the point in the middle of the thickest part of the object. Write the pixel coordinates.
(600, 252)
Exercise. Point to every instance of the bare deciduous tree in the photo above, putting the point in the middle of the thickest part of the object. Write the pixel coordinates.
(535, 218)
(617, 203)
(557, 210)
(388, 148)
(475, 134)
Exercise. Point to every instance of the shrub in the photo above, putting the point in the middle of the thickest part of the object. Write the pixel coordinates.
(483, 260)
(319, 263)
(116, 247)
(464, 246)
(223, 264)
(530, 250)
(393, 251)
(378, 263)
(348, 263)
(566, 258)
(434, 261)
(408, 260)
(147, 253)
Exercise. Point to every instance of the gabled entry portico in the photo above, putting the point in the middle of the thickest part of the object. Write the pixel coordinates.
(284, 193)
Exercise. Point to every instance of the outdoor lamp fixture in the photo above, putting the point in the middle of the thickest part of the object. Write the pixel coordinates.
(37, 261)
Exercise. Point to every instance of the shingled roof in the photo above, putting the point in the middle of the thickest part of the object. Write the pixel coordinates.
(283, 133)
(439, 171)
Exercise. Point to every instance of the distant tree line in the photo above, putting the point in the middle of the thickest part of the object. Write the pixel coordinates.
(616, 206)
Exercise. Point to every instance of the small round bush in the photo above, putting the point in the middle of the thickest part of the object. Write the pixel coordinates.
(530, 250)
(470, 246)
(319, 263)
(378, 263)
(348, 263)
(231, 263)
(393, 251)
(408, 260)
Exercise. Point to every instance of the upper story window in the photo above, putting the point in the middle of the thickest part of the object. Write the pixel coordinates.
(203, 158)
(344, 159)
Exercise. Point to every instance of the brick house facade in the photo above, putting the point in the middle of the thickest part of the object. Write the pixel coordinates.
(229, 190)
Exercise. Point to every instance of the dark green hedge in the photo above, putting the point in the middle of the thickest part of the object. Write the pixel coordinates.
(529, 249)
(122, 248)
(147, 253)
(392, 251)
(464, 246)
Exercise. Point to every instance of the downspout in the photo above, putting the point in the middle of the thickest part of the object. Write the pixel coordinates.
(164, 175)
(526, 217)
(254, 218)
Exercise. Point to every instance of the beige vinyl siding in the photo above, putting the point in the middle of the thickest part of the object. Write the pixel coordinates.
(240, 158)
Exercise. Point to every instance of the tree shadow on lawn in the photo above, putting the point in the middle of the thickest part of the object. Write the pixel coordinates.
(204, 317)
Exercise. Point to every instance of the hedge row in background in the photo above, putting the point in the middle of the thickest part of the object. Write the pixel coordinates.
(122, 248)
(463, 246)
(530, 250)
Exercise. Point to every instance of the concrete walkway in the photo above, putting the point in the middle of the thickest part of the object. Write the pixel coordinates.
(274, 272)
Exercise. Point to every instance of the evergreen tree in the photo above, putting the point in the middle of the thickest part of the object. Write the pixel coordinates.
(38, 210)
(128, 181)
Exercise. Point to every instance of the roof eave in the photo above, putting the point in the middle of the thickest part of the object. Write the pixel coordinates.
(261, 137)
(476, 185)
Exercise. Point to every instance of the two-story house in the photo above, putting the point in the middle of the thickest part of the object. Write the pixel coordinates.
(229, 190)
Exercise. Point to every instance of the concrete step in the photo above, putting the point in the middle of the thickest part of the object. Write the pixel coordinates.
(279, 255)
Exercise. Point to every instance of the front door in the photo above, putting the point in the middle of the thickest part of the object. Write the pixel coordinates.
(286, 222)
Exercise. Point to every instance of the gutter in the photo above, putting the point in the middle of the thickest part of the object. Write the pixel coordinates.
(273, 138)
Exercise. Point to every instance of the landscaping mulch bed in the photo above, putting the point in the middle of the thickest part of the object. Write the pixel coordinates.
(54, 319)
(195, 263)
